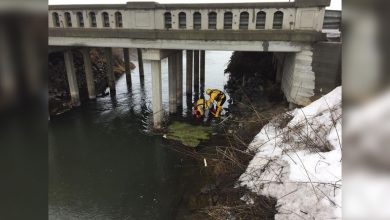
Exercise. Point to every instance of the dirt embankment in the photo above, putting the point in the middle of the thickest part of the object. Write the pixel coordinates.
(59, 95)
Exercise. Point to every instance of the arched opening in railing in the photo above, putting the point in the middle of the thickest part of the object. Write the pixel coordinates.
(92, 19)
(212, 20)
(244, 20)
(278, 20)
(197, 21)
(68, 19)
(106, 19)
(228, 20)
(182, 20)
(260, 20)
(167, 20)
(80, 19)
(118, 19)
(56, 19)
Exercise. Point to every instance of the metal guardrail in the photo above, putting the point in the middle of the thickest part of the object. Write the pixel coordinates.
(332, 19)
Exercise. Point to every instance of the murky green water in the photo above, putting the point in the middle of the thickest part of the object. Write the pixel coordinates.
(104, 163)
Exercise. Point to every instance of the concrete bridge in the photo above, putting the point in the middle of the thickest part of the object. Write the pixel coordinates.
(289, 29)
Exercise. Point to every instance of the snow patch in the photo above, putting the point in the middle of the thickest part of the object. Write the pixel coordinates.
(299, 162)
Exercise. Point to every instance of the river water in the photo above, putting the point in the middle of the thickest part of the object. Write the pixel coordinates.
(104, 163)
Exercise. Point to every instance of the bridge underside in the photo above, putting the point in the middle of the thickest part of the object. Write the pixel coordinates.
(296, 72)
(275, 41)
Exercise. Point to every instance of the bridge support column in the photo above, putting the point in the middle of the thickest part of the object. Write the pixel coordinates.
(189, 66)
(202, 72)
(88, 73)
(298, 80)
(279, 62)
(196, 73)
(126, 58)
(110, 72)
(72, 80)
(179, 79)
(172, 83)
(156, 94)
(140, 64)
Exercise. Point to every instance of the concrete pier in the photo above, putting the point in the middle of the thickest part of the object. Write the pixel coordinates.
(126, 58)
(172, 83)
(189, 67)
(88, 73)
(72, 80)
(196, 72)
(140, 64)
(179, 79)
(156, 94)
(110, 72)
(202, 71)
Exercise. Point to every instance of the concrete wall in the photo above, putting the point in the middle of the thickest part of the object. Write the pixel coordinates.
(327, 66)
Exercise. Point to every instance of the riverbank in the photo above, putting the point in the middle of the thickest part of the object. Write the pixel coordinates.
(287, 165)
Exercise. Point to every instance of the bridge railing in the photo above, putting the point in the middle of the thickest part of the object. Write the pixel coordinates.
(298, 15)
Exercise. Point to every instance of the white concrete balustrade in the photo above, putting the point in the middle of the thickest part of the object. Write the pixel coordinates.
(141, 16)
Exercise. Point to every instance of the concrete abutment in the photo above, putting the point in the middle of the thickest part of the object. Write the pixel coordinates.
(310, 73)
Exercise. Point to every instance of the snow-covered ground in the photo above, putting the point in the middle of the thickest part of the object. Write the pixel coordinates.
(298, 161)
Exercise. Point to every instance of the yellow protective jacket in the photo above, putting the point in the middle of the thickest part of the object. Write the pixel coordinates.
(199, 106)
(215, 95)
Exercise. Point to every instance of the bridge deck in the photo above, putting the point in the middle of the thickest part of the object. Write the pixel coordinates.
(200, 35)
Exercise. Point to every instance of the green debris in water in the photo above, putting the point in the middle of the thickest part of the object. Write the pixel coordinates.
(187, 134)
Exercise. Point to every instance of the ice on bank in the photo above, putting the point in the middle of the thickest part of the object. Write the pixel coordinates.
(298, 161)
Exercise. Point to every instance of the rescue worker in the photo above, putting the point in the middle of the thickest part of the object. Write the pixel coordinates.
(199, 108)
(219, 97)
